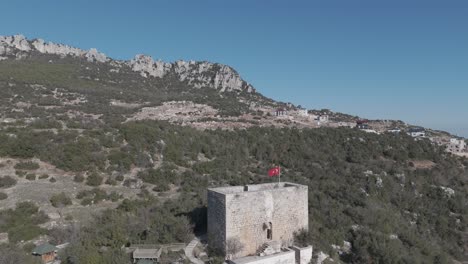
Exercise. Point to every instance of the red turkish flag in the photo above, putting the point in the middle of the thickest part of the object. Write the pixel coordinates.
(274, 171)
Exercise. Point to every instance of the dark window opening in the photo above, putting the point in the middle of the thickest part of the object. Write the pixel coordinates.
(270, 232)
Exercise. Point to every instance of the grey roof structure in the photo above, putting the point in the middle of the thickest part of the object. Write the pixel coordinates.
(44, 249)
(146, 253)
(145, 261)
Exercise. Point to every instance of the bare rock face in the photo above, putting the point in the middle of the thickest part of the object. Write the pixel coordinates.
(9, 43)
(18, 46)
(206, 74)
(94, 55)
(57, 49)
(197, 74)
(226, 78)
(148, 67)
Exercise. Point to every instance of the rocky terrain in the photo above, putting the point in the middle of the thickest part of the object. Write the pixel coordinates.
(198, 75)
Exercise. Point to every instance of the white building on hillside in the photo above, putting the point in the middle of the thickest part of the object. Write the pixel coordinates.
(303, 112)
(322, 118)
(456, 145)
(417, 132)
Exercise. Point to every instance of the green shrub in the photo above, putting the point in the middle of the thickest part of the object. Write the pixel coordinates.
(25, 232)
(20, 173)
(163, 187)
(31, 176)
(94, 179)
(60, 200)
(110, 181)
(119, 178)
(86, 201)
(21, 222)
(28, 247)
(115, 196)
(7, 182)
(97, 195)
(302, 238)
(120, 159)
(3, 196)
(78, 178)
(52, 180)
(82, 194)
(27, 165)
(129, 182)
(43, 176)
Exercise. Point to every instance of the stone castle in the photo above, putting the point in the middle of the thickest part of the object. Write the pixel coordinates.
(257, 220)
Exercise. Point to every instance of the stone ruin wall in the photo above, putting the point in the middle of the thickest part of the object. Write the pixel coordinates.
(216, 220)
(248, 214)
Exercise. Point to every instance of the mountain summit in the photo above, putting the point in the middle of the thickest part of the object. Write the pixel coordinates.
(197, 74)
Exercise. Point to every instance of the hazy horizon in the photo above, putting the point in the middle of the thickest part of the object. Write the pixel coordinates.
(398, 60)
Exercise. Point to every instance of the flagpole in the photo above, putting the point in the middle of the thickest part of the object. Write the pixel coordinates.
(279, 175)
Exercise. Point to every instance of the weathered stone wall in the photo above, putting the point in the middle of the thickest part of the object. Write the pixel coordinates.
(280, 258)
(303, 255)
(250, 212)
(217, 221)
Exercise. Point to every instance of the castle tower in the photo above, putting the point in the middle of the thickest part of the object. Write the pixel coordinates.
(243, 219)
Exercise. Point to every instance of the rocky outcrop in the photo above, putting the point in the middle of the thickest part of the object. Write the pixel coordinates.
(10, 43)
(197, 74)
(148, 67)
(17, 46)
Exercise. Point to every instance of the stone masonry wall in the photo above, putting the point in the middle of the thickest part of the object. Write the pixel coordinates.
(249, 214)
(280, 258)
(246, 213)
(217, 221)
(303, 255)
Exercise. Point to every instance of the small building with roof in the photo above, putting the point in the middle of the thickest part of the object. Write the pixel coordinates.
(146, 255)
(280, 112)
(417, 132)
(394, 130)
(456, 145)
(362, 124)
(46, 251)
(323, 118)
(303, 112)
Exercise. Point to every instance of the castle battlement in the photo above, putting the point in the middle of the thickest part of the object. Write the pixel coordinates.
(256, 188)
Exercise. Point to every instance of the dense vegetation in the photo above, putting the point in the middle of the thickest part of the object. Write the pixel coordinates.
(363, 188)
(21, 223)
(408, 203)
(7, 181)
(28, 165)
(60, 200)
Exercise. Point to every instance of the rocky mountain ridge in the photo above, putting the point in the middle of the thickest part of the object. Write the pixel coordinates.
(197, 74)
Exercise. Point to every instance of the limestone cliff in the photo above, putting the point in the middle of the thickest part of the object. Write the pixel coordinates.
(197, 74)
(18, 46)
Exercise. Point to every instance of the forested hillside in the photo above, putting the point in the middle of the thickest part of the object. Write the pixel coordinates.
(70, 147)
(363, 188)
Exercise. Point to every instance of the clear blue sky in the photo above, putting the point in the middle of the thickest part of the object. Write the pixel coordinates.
(395, 59)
